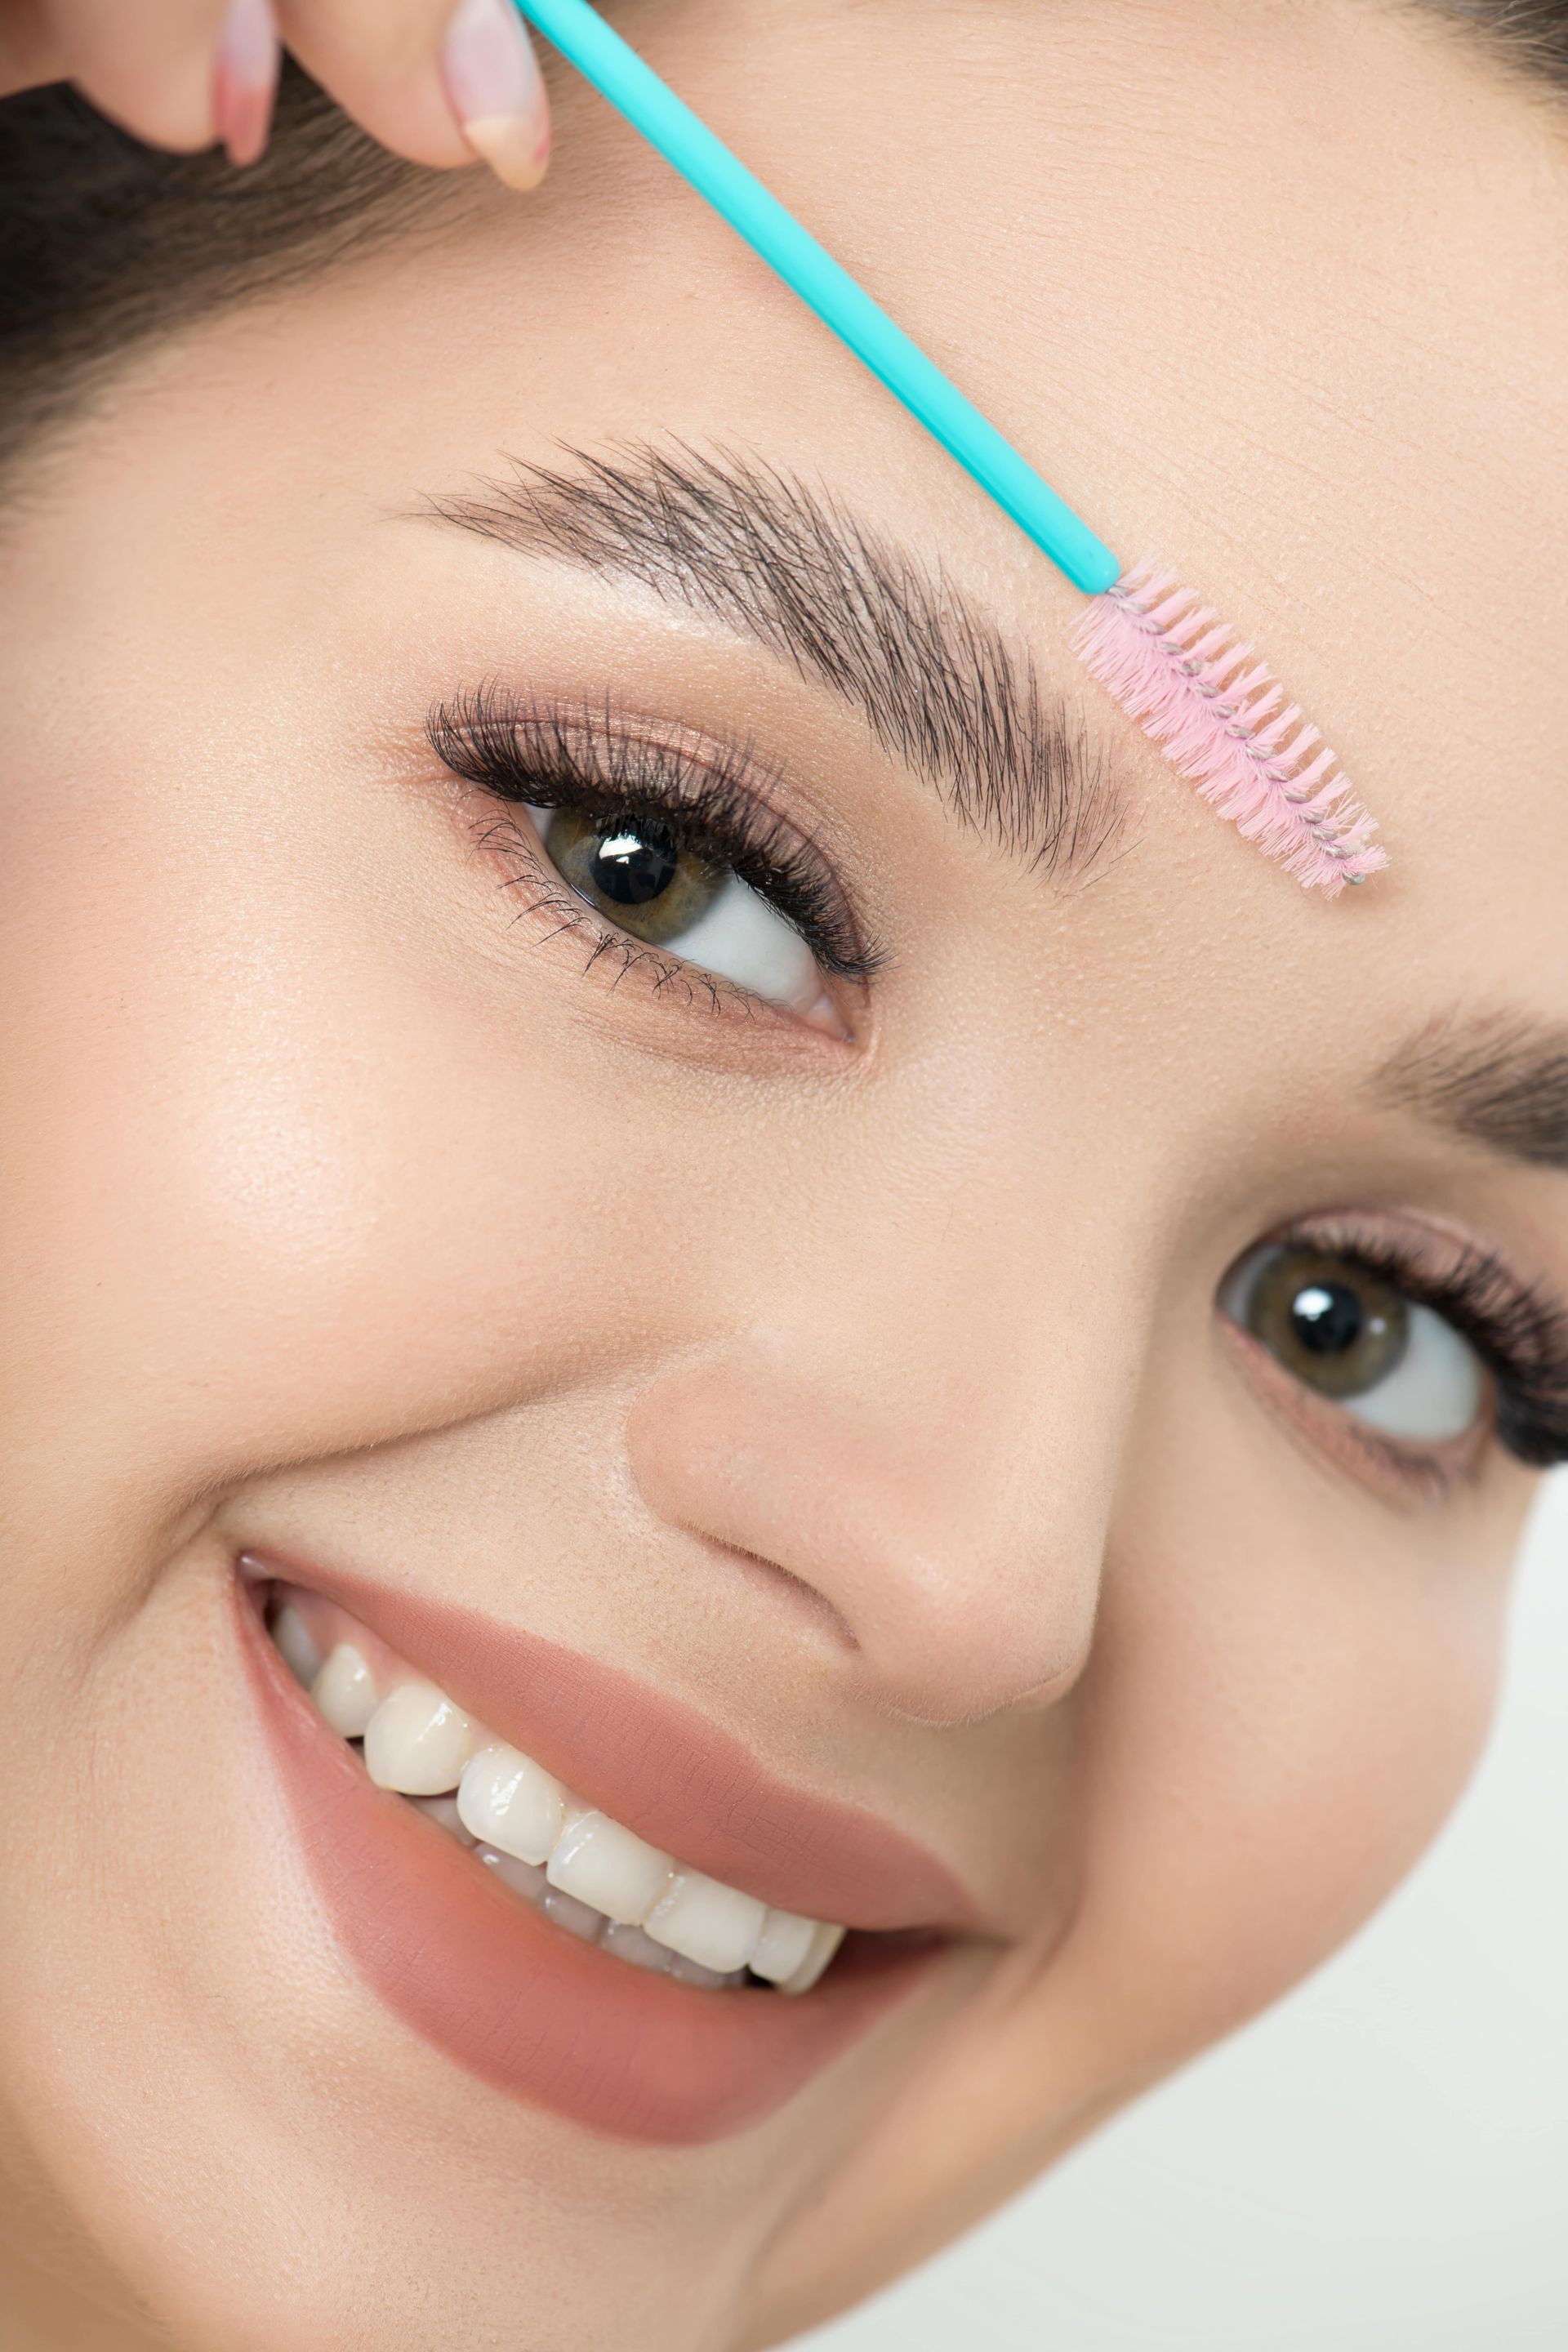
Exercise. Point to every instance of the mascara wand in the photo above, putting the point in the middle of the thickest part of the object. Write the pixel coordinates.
(1218, 716)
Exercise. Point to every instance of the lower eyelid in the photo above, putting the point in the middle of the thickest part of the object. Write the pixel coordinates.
(1408, 1470)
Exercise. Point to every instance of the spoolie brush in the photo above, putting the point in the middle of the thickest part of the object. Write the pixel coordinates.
(1215, 714)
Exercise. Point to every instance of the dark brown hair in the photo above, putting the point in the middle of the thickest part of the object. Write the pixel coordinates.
(105, 244)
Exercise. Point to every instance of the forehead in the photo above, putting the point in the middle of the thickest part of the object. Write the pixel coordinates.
(1274, 295)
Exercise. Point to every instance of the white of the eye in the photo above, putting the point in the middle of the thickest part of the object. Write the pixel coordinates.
(741, 938)
(1237, 1289)
(1435, 1389)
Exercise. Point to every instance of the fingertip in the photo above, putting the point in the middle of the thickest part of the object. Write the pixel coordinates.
(174, 113)
(511, 150)
(496, 92)
(147, 72)
(380, 61)
(245, 79)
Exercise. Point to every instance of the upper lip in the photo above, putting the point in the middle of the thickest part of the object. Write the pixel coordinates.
(653, 1763)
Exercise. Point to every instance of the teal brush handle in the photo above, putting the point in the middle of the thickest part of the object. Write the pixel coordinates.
(619, 74)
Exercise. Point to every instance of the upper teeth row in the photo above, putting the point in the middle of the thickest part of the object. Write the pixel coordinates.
(420, 1743)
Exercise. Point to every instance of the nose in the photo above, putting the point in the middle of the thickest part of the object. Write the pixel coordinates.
(951, 1513)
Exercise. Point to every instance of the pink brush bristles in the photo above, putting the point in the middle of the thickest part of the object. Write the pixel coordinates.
(1180, 674)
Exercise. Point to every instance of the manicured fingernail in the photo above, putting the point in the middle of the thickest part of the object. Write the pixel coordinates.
(245, 79)
(493, 80)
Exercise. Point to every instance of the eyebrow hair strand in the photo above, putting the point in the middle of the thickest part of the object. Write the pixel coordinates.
(758, 550)
(1501, 1081)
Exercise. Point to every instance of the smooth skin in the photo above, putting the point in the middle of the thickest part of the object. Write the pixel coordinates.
(868, 1392)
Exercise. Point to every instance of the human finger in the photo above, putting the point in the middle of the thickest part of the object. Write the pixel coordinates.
(439, 82)
(30, 51)
(149, 67)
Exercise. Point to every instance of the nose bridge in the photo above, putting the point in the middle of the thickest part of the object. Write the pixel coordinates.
(905, 1424)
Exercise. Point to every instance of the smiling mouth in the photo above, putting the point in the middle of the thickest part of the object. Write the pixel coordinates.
(587, 1873)
(626, 1920)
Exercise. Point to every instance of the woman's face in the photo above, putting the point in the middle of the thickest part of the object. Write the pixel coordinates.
(788, 1382)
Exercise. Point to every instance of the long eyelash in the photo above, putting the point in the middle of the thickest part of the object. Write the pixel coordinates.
(1519, 1332)
(584, 759)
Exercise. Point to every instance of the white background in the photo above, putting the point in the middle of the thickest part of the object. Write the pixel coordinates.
(1380, 2164)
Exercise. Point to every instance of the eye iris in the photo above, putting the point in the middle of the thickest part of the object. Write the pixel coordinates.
(634, 864)
(1335, 1324)
(634, 870)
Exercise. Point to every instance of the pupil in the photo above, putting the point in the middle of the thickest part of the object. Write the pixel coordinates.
(635, 863)
(1326, 1318)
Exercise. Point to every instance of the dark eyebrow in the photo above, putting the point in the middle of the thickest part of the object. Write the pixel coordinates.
(1497, 1080)
(942, 686)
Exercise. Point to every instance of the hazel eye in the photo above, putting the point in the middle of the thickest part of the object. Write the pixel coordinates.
(1350, 1335)
(637, 875)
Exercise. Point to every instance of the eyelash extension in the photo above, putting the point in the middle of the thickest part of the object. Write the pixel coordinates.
(522, 753)
(1519, 1332)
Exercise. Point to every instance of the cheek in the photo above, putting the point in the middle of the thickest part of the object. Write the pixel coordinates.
(281, 1177)
(1289, 1691)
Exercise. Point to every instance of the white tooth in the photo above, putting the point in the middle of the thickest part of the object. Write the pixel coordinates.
(345, 1691)
(524, 1878)
(631, 1943)
(443, 1812)
(783, 1946)
(691, 1972)
(577, 1918)
(710, 1924)
(296, 1645)
(418, 1742)
(507, 1800)
(823, 1944)
(602, 1864)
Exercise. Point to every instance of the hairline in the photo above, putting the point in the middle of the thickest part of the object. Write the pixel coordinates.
(325, 194)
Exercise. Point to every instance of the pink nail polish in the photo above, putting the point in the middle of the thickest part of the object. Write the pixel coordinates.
(493, 80)
(245, 79)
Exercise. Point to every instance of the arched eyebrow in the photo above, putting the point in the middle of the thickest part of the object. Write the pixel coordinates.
(942, 687)
(1499, 1080)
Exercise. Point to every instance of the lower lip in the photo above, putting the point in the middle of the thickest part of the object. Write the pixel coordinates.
(513, 1999)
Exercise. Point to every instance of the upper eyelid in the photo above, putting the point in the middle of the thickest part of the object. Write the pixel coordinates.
(1410, 1254)
(595, 738)
(590, 739)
